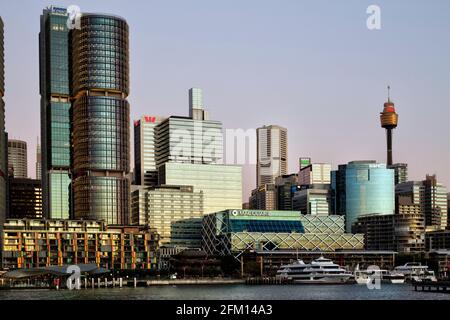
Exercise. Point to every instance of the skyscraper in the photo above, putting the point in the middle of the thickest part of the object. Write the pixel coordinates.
(145, 170)
(316, 173)
(362, 188)
(389, 120)
(17, 159)
(271, 154)
(100, 119)
(196, 110)
(3, 137)
(38, 161)
(400, 172)
(55, 113)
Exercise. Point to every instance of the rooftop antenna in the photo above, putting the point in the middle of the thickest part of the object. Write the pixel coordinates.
(389, 93)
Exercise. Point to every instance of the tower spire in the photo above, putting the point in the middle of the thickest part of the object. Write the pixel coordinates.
(389, 93)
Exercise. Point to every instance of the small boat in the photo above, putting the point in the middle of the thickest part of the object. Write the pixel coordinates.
(367, 276)
(319, 271)
(415, 271)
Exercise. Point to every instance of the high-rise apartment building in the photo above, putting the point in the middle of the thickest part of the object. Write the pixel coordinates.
(100, 118)
(17, 159)
(272, 154)
(54, 68)
(316, 173)
(38, 161)
(362, 188)
(145, 143)
(400, 172)
(432, 198)
(3, 136)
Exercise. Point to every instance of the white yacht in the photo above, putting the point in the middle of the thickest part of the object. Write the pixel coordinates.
(366, 276)
(416, 271)
(320, 270)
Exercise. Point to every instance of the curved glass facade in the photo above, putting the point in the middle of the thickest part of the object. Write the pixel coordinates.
(101, 134)
(100, 54)
(105, 198)
(100, 119)
(369, 189)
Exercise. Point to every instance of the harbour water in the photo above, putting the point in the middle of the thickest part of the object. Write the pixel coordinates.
(231, 292)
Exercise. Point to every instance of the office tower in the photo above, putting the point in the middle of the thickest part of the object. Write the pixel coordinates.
(174, 211)
(400, 172)
(286, 186)
(271, 154)
(100, 119)
(221, 184)
(196, 108)
(145, 170)
(313, 199)
(448, 211)
(432, 198)
(316, 173)
(17, 159)
(24, 198)
(55, 113)
(389, 120)
(38, 161)
(264, 197)
(362, 188)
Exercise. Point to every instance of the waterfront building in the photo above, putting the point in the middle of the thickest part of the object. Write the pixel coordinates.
(286, 186)
(313, 199)
(24, 198)
(272, 153)
(362, 188)
(38, 161)
(54, 89)
(431, 196)
(264, 197)
(315, 173)
(221, 184)
(34, 243)
(17, 159)
(233, 231)
(400, 172)
(145, 169)
(175, 212)
(389, 121)
(100, 114)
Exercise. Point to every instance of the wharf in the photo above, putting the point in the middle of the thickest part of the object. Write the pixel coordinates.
(432, 286)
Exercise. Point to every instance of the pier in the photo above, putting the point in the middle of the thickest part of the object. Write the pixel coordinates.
(432, 286)
(267, 280)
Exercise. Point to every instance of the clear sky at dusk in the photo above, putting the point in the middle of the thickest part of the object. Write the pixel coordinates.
(311, 66)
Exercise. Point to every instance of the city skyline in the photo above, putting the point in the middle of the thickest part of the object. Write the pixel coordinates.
(236, 81)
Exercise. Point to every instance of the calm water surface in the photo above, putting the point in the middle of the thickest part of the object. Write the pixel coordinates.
(232, 292)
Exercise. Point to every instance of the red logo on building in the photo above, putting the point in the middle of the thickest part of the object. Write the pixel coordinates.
(149, 119)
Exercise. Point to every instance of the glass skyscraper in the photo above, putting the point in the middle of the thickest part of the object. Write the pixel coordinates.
(55, 113)
(362, 188)
(3, 136)
(100, 119)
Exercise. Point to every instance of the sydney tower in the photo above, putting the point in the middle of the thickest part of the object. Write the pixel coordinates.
(389, 120)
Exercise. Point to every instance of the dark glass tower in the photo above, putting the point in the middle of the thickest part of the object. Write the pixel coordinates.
(55, 113)
(100, 119)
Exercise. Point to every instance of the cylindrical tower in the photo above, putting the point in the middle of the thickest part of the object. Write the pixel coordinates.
(100, 119)
(389, 120)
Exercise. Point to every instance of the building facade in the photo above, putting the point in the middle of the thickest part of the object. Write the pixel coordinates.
(25, 198)
(286, 186)
(313, 199)
(233, 232)
(54, 89)
(400, 172)
(145, 143)
(34, 243)
(316, 173)
(264, 197)
(362, 188)
(38, 161)
(17, 159)
(175, 212)
(431, 196)
(3, 136)
(100, 119)
(221, 184)
(272, 153)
